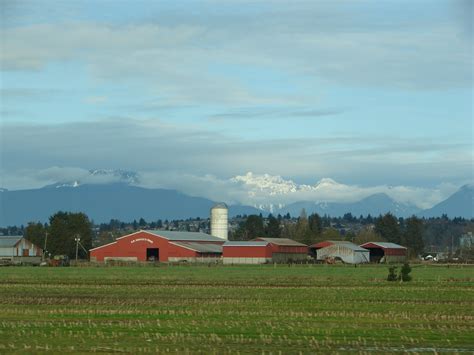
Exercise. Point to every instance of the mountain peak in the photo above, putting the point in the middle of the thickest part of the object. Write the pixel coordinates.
(380, 196)
(326, 182)
(467, 187)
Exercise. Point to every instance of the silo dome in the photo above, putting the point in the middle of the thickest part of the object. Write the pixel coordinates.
(219, 221)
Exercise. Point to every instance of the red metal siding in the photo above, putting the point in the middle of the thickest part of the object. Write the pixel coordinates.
(289, 249)
(247, 251)
(136, 244)
(399, 252)
(321, 244)
(387, 251)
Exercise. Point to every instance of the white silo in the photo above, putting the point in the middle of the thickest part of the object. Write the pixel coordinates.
(219, 221)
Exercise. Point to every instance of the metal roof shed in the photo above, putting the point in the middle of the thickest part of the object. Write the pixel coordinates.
(381, 252)
(347, 252)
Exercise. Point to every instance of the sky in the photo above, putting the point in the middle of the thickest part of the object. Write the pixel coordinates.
(192, 94)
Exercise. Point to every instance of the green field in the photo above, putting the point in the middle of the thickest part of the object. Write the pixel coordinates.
(246, 309)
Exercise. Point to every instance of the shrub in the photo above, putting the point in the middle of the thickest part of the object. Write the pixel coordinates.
(392, 274)
(405, 273)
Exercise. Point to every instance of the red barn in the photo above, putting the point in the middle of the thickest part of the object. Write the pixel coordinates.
(164, 246)
(286, 250)
(248, 252)
(381, 252)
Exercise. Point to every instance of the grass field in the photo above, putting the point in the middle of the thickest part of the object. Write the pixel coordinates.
(245, 309)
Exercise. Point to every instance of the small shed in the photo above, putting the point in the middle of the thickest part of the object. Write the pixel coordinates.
(285, 250)
(247, 252)
(18, 250)
(384, 252)
(347, 252)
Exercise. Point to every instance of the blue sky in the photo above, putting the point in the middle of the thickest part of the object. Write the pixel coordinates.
(368, 93)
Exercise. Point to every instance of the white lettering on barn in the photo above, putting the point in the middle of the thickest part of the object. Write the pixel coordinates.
(142, 240)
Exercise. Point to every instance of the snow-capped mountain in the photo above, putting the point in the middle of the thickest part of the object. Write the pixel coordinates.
(277, 185)
(100, 176)
(124, 176)
(272, 185)
(276, 194)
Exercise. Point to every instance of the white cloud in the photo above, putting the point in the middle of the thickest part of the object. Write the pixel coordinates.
(249, 189)
(178, 61)
(151, 145)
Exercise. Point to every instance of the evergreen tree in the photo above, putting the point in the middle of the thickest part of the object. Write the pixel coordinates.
(387, 227)
(254, 226)
(272, 229)
(142, 222)
(413, 236)
(36, 234)
(315, 224)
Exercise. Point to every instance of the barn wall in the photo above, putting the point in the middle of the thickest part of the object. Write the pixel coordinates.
(247, 251)
(196, 259)
(289, 257)
(7, 252)
(248, 260)
(133, 246)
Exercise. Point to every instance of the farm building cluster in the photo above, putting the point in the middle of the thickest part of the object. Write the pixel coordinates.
(168, 246)
(173, 246)
(197, 247)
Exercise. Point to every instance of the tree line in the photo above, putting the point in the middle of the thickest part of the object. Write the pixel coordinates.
(413, 232)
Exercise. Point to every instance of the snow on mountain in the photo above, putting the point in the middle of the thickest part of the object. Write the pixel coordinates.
(273, 185)
(101, 176)
(277, 185)
(124, 176)
(273, 193)
(71, 184)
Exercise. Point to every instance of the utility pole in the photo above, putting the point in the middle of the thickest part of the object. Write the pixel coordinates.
(77, 239)
(45, 242)
(452, 245)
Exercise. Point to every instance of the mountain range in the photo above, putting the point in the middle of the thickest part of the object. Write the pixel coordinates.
(113, 195)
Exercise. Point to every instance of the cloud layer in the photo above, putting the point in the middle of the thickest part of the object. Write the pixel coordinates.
(205, 163)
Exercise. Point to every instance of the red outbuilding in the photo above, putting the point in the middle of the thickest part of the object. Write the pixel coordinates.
(286, 250)
(247, 252)
(381, 252)
(163, 246)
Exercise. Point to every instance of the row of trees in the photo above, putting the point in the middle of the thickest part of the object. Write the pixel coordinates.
(59, 235)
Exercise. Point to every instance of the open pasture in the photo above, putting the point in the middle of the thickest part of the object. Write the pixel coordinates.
(236, 309)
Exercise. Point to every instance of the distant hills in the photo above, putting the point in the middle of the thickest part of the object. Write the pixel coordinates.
(102, 202)
(374, 205)
(459, 204)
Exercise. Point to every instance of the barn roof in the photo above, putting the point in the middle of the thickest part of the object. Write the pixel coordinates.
(327, 243)
(9, 241)
(348, 245)
(383, 245)
(201, 247)
(250, 243)
(282, 242)
(185, 236)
